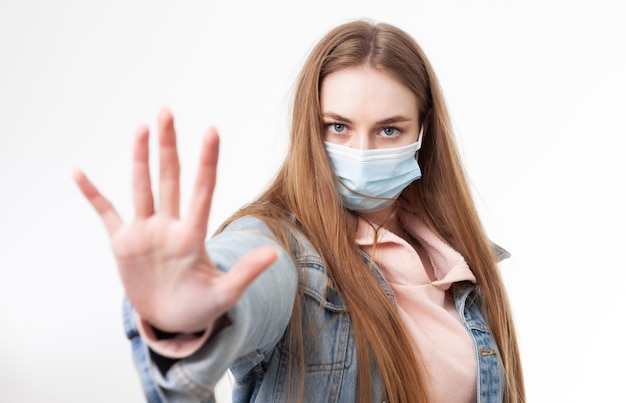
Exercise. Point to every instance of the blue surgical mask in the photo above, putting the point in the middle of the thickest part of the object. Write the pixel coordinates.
(371, 180)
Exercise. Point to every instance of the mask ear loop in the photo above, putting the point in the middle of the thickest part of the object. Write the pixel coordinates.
(419, 138)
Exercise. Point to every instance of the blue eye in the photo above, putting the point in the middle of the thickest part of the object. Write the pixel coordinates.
(337, 127)
(389, 131)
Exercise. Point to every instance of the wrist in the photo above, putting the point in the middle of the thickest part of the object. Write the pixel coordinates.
(171, 344)
(178, 344)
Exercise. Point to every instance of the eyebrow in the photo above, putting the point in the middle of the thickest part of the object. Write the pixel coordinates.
(386, 121)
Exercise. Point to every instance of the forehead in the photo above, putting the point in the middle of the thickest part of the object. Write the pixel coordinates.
(360, 91)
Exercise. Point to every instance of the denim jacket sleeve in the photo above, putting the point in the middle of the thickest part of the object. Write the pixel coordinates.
(258, 321)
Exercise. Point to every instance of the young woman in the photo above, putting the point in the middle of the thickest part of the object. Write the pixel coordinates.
(362, 273)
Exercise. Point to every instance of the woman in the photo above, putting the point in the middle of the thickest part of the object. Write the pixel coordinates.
(353, 277)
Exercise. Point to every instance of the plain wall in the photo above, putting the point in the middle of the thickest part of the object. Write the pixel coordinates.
(535, 89)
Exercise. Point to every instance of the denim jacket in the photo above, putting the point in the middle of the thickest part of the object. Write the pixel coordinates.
(254, 346)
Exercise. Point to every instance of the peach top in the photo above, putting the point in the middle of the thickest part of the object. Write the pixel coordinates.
(420, 279)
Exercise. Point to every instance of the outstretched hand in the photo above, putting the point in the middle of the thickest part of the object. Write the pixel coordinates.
(163, 264)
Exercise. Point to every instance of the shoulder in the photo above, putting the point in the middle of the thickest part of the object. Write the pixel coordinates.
(247, 223)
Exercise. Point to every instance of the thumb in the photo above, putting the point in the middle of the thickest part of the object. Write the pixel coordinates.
(248, 268)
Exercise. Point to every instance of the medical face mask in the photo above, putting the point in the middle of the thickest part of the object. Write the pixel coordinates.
(371, 180)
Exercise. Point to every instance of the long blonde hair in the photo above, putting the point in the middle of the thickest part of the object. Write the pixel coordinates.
(304, 188)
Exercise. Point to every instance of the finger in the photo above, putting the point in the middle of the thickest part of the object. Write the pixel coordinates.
(103, 207)
(205, 181)
(169, 188)
(142, 188)
(247, 270)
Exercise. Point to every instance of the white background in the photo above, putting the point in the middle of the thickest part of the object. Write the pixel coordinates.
(535, 88)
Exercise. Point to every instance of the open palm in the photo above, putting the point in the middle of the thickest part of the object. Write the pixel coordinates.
(165, 269)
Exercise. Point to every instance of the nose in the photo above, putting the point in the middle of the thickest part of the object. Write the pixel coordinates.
(360, 141)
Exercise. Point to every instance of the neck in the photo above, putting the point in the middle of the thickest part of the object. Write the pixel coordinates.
(386, 218)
